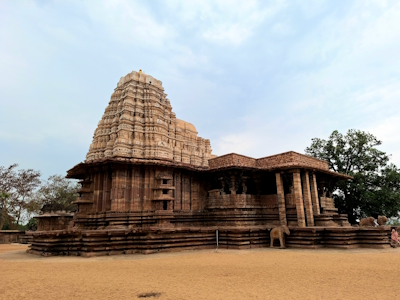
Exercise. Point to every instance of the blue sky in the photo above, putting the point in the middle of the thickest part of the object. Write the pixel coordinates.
(255, 77)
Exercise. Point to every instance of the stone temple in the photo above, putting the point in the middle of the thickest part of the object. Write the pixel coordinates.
(150, 183)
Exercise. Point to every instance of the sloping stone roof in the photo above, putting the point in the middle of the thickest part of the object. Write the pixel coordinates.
(286, 160)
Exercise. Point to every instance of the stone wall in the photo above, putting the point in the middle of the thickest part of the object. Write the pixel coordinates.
(11, 236)
(54, 221)
(141, 188)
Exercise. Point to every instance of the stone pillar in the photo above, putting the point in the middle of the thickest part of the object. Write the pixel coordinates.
(121, 189)
(281, 199)
(185, 192)
(98, 191)
(307, 198)
(222, 185)
(114, 191)
(321, 189)
(244, 187)
(298, 196)
(120, 199)
(194, 194)
(128, 190)
(135, 190)
(314, 195)
(147, 189)
(106, 191)
(258, 185)
(95, 179)
(233, 183)
(177, 192)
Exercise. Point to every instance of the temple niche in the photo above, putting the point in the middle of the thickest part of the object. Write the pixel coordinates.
(150, 183)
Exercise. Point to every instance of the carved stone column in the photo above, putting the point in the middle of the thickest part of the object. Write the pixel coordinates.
(98, 190)
(298, 196)
(321, 188)
(233, 185)
(106, 191)
(222, 185)
(314, 195)
(307, 198)
(281, 199)
(244, 187)
(257, 181)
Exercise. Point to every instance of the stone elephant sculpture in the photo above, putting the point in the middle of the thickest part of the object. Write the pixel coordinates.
(279, 233)
(382, 220)
(369, 221)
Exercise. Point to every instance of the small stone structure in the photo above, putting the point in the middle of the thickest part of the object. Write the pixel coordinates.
(14, 236)
(149, 183)
(58, 220)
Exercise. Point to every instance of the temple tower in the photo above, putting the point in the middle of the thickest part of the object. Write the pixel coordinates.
(138, 123)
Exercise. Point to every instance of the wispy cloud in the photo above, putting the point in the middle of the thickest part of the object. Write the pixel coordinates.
(223, 22)
(129, 22)
(256, 77)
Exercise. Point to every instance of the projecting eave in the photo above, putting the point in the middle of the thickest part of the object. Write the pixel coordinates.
(77, 172)
(80, 170)
(339, 175)
(283, 169)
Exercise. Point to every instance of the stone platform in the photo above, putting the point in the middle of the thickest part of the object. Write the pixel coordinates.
(150, 240)
(14, 236)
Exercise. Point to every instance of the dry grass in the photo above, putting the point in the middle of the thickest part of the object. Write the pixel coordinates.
(228, 274)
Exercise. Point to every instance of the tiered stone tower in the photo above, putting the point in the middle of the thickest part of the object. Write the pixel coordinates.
(139, 123)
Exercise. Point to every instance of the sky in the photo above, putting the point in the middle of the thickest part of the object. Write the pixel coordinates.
(255, 77)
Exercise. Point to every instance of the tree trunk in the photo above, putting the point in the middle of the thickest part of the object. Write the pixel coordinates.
(20, 209)
(19, 215)
(2, 217)
(350, 210)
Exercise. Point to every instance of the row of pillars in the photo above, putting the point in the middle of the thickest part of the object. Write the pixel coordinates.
(232, 188)
(306, 196)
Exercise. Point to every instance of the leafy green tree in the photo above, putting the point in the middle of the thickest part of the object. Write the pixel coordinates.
(58, 193)
(17, 191)
(376, 183)
(32, 224)
(25, 186)
(7, 183)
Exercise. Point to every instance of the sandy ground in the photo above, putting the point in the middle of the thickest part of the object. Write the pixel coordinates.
(227, 274)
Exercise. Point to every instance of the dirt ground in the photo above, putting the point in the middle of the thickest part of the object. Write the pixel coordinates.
(228, 274)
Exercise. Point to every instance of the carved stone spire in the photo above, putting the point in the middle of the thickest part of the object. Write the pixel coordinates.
(139, 123)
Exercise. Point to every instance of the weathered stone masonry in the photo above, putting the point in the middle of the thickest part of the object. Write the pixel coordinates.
(149, 183)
